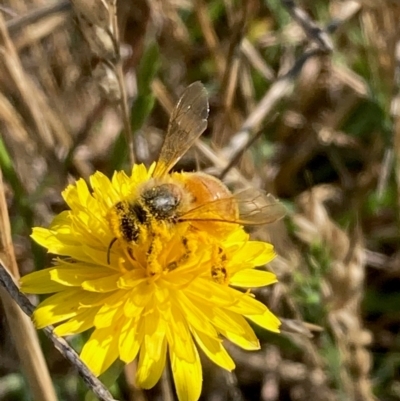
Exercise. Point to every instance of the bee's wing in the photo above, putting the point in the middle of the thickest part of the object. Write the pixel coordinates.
(249, 207)
(187, 122)
(256, 207)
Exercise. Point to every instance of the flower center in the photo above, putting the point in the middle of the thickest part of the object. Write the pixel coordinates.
(159, 249)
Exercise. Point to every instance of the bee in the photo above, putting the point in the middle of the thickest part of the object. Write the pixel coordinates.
(197, 198)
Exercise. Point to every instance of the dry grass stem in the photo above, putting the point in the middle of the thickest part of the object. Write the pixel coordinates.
(24, 334)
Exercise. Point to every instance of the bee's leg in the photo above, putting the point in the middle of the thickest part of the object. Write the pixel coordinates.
(183, 258)
(130, 252)
(188, 251)
(219, 271)
(124, 224)
(109, 249)
(154, 268)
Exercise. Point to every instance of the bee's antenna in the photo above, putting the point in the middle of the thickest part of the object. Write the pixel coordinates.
(109, 249)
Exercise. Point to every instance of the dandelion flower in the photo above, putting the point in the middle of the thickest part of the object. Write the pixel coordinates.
(175, 289)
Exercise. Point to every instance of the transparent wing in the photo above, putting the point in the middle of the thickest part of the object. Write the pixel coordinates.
(256, 207)
(187, 122)
(249, 207)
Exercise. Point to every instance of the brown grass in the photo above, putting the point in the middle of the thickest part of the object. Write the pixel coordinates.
(304, 102)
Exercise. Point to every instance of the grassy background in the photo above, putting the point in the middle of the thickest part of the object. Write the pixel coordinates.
(324, 129)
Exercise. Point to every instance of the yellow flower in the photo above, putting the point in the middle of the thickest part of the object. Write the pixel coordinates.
(169, 290)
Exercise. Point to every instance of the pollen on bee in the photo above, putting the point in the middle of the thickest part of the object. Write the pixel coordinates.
(124, 221)
(156, 239)
(219, 272)
(183, 257)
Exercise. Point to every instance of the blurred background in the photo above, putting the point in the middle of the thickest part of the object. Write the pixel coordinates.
(304, 104)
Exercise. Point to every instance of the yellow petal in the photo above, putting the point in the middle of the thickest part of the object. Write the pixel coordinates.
(70, 195)
(242, 342)
(122, 184)
(187, 376)
(247, 305)
(131, 339)
(179, 336)
(59, 244)
(101, 350)
(76, 194)
(252, 278)
(255, 252)
(103, 190)
(98, 254)
(215, 350)
(154, 333)
(226, 320)
(239, 331)
(40, 283)
(90, 299)
(84, 194)
(110, 308)
(150, 370)
(102, 284)
(267, 321)
(47, 238)
(132, 279)
(74, 274)
(105, 316)
(58, 307)
(216, 295)
(198, 318)
(152, 352)
(132, 309)
(78, 324)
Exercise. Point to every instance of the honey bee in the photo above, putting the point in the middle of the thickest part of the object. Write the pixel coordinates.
(197, 198)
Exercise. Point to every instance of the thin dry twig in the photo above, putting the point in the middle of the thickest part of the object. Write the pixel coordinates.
(99, 25)
(46, 125)
(236, 157)
(135, 393)
(310, 27)
(279, 89)
(210, 36)
(121, 82)
(15, 24)
(166, 386)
